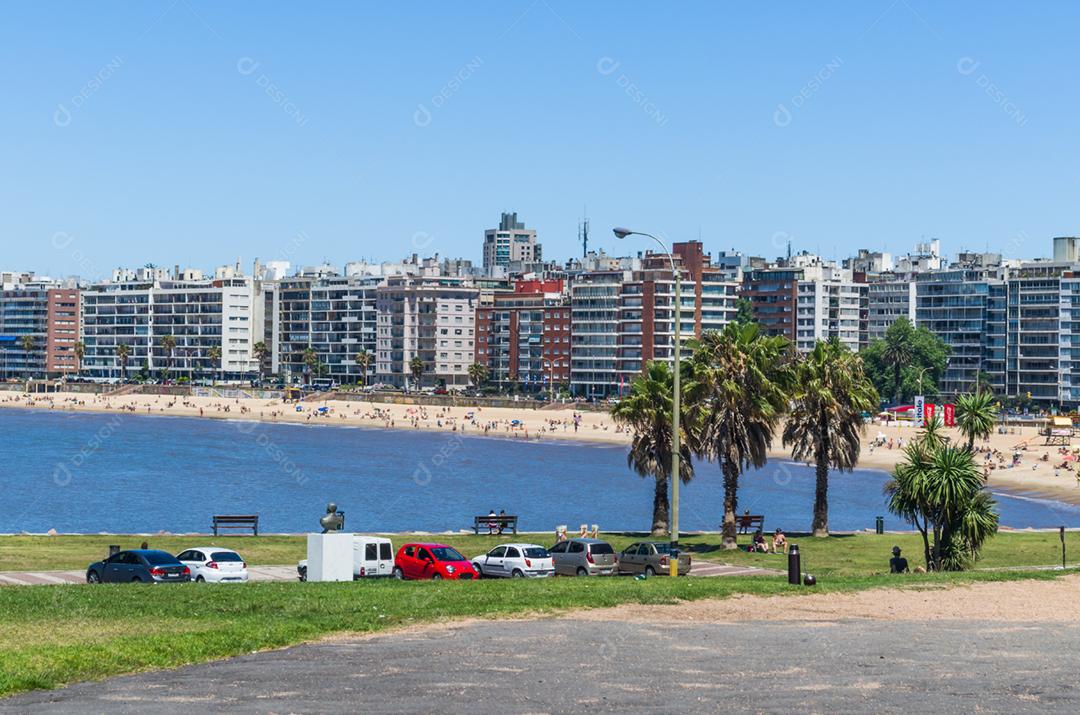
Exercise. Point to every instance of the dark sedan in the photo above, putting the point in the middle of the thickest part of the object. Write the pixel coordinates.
(138, 566)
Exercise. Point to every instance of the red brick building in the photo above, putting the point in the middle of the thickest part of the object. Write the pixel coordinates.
(523, 337)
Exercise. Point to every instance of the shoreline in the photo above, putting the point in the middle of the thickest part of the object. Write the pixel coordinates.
(1033, 478)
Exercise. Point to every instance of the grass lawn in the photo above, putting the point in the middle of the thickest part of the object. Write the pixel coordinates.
(857, 555)
(52, 635)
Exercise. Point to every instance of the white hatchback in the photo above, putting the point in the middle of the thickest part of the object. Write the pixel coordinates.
(212, 564)
(515, 561)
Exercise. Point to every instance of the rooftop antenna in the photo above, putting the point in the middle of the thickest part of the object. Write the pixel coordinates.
(583, 233)
(789, 249)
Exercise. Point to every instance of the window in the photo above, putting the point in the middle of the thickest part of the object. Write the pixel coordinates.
(498, 552)
(512, 553)
(409, 550)
(576, 547)
(559, 548)
(385, 552)
(371, 551)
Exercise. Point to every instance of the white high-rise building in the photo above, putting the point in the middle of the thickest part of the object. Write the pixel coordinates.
(510, 243)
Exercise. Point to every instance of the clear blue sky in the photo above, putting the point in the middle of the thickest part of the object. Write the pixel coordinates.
(145, 132)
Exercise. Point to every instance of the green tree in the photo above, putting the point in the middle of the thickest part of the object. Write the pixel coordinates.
(261, 352)
(737, 392)
(646, 410)
(478, 374)
(168, 344)
(363, 358)
(831, 393)
(975, 416)
(80, 353)
(28, 343)
(939, 490)
(416, 369)
(214, 353)
(123, 352)
(744, 311)
(903, 359)
(311, 362)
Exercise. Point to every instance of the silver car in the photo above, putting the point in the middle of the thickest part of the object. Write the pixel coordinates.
(584, 557)
(651, 558)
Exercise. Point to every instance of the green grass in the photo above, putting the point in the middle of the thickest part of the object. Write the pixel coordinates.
(53, 635)
(856, 555)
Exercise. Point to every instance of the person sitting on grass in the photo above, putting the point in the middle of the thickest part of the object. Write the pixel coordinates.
(897, 564)
(759, 543)
(779, 542)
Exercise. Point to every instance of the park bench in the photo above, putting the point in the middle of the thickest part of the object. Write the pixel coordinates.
(500, 523)
(748, 522)
(236, 521)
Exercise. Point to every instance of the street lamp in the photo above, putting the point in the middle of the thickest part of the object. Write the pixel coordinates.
(621, 233)
(551, 378)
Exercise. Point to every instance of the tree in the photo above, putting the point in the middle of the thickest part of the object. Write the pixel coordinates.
(214, 353)
(831, 393)
(80, 353)
(168, 344)
(27, 343)
(123, 352)
(363, 359)
(261, 352)
(938, 488)
(744, 311)
(478, 374)
(975, 416)
(311, 362)
(416, 368)
(927, 359)
(646, 410)
(737, 392)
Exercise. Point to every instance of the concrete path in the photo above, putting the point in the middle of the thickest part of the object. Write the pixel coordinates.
(575, 665)
(288, 573)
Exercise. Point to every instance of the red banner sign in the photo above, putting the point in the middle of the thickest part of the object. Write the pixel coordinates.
(950, 415)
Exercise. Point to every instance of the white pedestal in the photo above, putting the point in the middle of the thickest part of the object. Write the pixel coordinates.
(330, 557)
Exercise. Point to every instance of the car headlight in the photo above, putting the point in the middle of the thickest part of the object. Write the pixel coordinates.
(449, 569)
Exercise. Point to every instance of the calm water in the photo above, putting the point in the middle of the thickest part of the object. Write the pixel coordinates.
(115, 473)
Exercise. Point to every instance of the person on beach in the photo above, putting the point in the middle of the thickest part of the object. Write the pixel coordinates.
(759, 545)
(779, 543)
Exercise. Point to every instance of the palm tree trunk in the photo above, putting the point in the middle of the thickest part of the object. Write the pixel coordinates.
(971, 443)
(896, 384)
(731, 486)
(660, 507)
(820, 527)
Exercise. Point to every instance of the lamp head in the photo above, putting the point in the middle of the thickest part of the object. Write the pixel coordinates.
(621, 232)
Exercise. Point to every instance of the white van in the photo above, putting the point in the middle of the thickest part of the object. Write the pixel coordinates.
(373, 556)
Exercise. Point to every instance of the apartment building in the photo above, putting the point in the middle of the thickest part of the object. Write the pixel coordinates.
(510, 243)
(523, 337)
(830, 305)
(888, 299)
(432, 318)
(39, 328)
(773, 294)
(1034, 347)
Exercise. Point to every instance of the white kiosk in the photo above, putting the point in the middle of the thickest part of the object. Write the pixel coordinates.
(330, 556)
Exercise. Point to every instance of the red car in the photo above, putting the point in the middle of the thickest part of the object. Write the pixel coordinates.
(434, 561)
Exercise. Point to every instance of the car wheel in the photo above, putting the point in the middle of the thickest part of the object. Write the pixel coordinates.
(93, 577)
(517, 574)
(200, 579)
(303, 575)
(436, 577)
(398, 574)
(136, 580)
(479, 571)
(581, 571)
(650, 571)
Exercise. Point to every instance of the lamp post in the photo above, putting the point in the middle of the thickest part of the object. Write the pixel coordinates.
(676, 408)
(551, 378)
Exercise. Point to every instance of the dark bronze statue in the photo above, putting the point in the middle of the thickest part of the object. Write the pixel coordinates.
(334, 520)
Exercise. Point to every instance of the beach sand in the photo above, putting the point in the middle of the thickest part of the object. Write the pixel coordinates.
(1031, 475)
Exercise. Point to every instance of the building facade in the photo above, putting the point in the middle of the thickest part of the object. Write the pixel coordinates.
(510, 243)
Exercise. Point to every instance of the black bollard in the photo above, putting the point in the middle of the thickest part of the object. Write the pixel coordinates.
(794, 566)
(1062, 532)
(879, 524)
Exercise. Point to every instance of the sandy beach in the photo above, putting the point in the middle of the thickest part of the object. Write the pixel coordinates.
(1038, 469)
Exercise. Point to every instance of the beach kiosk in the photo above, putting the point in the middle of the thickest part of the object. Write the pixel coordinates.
(1058, 432)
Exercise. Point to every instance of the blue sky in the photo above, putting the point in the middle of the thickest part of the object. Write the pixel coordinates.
(195, 133)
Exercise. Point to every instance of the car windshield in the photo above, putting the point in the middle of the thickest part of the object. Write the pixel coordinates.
(601, 549)
(225, 556)
(445, 553)
(537, 553)
(158, 558)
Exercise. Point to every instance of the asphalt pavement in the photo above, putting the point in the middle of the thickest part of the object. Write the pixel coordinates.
(559, 665)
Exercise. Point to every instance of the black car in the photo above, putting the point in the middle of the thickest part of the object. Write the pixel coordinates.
(138, 566)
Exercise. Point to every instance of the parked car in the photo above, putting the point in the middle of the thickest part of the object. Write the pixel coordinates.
(584, 557)
(373, 556)
(138, 566)
(515, 561)
(434, 561)
(651, 558)
(215, 565)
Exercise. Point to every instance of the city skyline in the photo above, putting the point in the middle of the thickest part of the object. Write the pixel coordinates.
(196, 133)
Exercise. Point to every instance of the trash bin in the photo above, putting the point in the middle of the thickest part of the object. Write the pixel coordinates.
(794, 566)
(879, 525)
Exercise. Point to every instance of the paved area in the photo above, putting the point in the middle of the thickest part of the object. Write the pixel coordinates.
(578, 665)
(288, 573)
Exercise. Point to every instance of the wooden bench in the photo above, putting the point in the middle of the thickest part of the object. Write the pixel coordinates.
(492, 523)
(749, 523)
(236, 521)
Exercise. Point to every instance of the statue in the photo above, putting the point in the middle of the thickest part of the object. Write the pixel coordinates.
(334, 520)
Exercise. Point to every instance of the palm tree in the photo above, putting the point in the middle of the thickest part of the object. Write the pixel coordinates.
(832, 391)
(261, 352)
(898, 352)
(646, 410)
(363, 359)
(975, 416)
(27, 343)
(168, 344)
(123, 351)
(478, 374)
(416, 368)
(736, 393)
(214, 353)
(80, 353)
(311, 361)
(933, 435)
